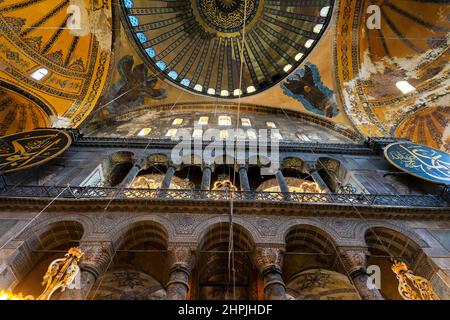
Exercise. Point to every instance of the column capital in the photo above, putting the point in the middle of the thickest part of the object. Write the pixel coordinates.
(181, 257)
(354, 259)
(97, 256)
(139, 162)
(206, 165)
(171, 164)
(241, 166)
(269, 258)
(311, 165)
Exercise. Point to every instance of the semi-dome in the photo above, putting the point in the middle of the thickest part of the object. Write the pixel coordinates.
(197, 43)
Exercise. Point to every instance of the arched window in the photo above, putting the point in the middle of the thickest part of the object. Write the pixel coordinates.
(224, 121)
(144, 132)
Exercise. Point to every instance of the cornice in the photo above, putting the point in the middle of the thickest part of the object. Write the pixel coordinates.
(241, 207)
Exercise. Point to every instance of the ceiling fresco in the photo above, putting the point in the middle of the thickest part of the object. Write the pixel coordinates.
(19, 113)
(410, 45)
(349, 79)
(197, 44)
(428, 126)
(60, 62)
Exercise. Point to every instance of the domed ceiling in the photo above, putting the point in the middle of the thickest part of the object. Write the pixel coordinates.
(58, 53)
(20, 113)
(410, 47)
(197, 44)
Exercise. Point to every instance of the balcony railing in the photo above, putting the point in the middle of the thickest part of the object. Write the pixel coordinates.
(425, 201)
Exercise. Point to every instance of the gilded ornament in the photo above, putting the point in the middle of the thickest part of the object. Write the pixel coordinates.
(412, 287)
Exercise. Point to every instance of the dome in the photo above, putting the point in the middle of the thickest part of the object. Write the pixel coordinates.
(196, 44)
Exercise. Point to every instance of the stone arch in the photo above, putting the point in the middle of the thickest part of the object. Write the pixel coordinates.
(85, 222)
(259, 160)
(362, 228)
(311, 236)
(214, 278)
(165, 227)
(201, 229)
(392, 242)
(156, 159)
(194, 159)
(138, 242)
(287, 226)
(386, 245)
(141, 232)
(333, 172)
(308, 247)
(293, 162)
(116, 167)
(219, 232)
(41, 246)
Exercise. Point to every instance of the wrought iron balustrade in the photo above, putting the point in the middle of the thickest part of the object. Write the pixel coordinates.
(428, 201)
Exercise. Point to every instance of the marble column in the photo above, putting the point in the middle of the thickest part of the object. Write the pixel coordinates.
(243, 177)
(355, 263)
(206, 178)
(96, 259)
(283, 185)
(269, 261)
(317, 178)
(182, 260)
(131, 176)
(169, 176)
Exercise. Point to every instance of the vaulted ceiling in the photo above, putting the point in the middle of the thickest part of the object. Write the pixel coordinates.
(348, 76)
(37, 36)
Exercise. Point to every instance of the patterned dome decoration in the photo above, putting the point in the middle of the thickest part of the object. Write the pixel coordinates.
(200, 45)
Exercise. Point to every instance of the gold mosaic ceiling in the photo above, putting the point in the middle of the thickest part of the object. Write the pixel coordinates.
(199, 40)
(411, 45)
(197, 44)
(71, 64)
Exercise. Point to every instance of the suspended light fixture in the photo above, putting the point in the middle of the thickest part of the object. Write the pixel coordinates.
(412, 287)
(60, 274)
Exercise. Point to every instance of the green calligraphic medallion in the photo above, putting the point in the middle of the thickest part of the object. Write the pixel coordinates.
(29, 149)
(420, 161)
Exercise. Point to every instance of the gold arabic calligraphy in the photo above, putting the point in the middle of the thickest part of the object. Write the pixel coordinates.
(29, 149)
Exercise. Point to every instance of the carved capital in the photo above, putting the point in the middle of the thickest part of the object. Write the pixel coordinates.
(181, 257)
(354, 259)
(268, 258)
(311, 166)
(96, 256)
(140, 162)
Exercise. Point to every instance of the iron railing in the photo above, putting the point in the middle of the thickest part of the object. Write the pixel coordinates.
(428, 201)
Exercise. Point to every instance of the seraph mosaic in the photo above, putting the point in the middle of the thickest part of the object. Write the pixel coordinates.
(306, 86)
(135, 84)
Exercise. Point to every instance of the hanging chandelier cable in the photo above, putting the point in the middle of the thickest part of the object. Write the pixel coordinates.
(231, 256)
